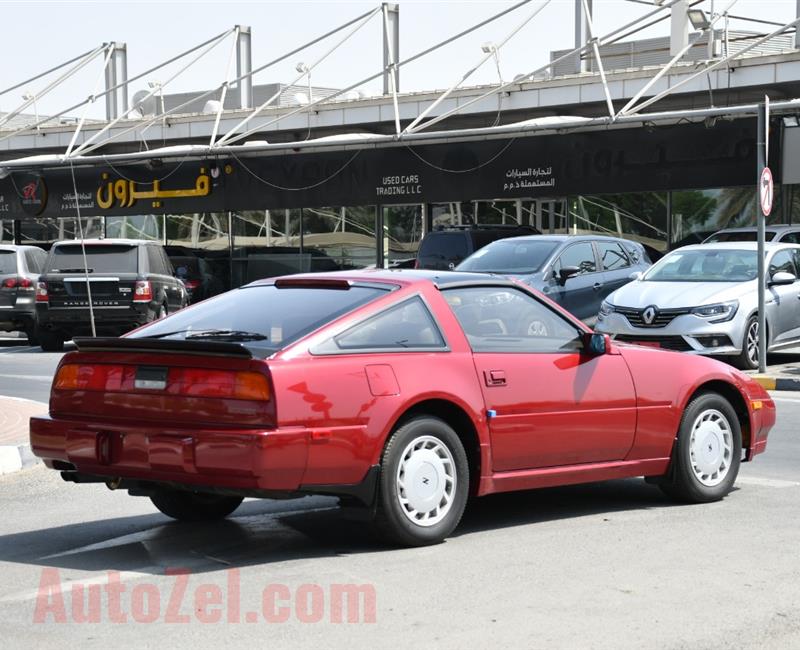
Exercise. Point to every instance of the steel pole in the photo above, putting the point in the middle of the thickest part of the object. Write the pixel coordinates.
(761, 147)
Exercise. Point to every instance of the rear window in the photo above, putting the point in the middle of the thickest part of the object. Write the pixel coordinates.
(444, 246)
(105, 258)
(510, 256)
(8, 262)
(280, 314)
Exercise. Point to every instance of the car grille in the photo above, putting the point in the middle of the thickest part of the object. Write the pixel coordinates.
(676, 343)
(663, 316)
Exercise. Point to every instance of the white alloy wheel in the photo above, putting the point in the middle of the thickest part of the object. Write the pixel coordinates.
(711, 447)
(426, 480)
(537, 328)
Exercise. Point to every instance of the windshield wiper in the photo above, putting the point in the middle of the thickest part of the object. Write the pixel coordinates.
(218, 334)
(72, 270)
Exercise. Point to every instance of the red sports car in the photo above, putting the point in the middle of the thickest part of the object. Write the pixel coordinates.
(402, 392)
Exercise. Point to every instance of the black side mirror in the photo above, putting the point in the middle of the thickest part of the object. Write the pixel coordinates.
(566, 272)
(596, 344)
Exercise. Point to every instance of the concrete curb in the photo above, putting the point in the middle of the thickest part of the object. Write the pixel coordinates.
(14, 458)
(777, 383)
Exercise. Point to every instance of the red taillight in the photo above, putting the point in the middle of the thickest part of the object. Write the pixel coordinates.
(17, 283)
(143, 291)
(41, 292)
(192, 284)
(187, 382)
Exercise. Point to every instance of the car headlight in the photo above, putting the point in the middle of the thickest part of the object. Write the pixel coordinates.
(717, 313)
(606, 308)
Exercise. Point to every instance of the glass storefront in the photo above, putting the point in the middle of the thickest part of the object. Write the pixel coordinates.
(640, 216)
(235, 248)
(403, 228)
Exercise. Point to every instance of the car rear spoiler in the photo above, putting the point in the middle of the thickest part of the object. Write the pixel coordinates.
(118, 344)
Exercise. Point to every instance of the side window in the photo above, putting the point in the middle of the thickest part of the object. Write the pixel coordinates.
(33, 262)
(170, 270)
(791, 238)
(155, 262)
(612, 256)
(580, 255)
(503, 319)
(796, 255)
(407, 326)
(782, 261)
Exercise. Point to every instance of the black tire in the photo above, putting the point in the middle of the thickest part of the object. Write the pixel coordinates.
(682, 482)
(748, 359)
(32, 334)
(393, 520)
(194, 506)
(50, 341)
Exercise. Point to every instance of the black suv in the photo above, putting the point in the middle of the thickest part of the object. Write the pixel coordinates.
(444, 248)
(131, 283)
(20, 267)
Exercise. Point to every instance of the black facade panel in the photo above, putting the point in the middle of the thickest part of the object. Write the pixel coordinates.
(685, 156)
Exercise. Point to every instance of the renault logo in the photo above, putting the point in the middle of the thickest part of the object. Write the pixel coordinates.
(649, 315)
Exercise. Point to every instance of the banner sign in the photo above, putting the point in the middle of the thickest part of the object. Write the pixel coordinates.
(600, 162)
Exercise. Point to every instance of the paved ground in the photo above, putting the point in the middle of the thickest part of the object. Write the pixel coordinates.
(612, 565)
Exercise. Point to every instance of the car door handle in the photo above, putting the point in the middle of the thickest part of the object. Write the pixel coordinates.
(597, 286)
(494, 377)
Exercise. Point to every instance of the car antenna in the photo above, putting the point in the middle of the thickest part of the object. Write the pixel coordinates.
(83, 250)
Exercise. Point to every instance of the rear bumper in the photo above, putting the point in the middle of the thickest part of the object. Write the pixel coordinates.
(74, 322)
(237, 459)
(17, 317)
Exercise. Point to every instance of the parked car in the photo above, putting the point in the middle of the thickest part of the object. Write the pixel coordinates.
(321, 384)
(778, 233)
(445, 248)
(577, 272)
(197, 277)
(20, 267)
(703, 299)
(130, 282)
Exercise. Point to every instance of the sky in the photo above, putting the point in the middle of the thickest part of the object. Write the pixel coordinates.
(39, 35)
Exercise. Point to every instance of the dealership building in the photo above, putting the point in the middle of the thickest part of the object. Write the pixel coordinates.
(651, 139)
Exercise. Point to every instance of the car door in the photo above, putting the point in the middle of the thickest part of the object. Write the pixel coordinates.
(581, 294)
(548, 402)
(615, 264)
(784, 299)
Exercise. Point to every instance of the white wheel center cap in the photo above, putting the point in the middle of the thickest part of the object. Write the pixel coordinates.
(424, 480)
(708, 448)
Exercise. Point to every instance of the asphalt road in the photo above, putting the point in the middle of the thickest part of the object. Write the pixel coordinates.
(611, 565)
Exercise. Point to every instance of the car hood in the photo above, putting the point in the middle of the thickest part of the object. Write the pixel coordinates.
(675, 295)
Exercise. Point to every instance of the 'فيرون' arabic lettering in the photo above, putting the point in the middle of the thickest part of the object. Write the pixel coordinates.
(126, 192)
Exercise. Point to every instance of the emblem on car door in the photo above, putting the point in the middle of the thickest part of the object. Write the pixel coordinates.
(649, 315)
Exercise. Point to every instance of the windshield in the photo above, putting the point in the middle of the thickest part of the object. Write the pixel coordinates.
(510, 256)
(8, 262)
(105, 258)
(265, 318)
(705, 266)
(739, 235)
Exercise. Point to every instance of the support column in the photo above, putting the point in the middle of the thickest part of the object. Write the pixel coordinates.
(117, 73)
(679, 27)
(244, 65)
(797, 31)
(393, 38)
(582, 64)
(111, 81)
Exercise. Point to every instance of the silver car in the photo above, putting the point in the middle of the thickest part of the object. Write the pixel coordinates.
(703, 299)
